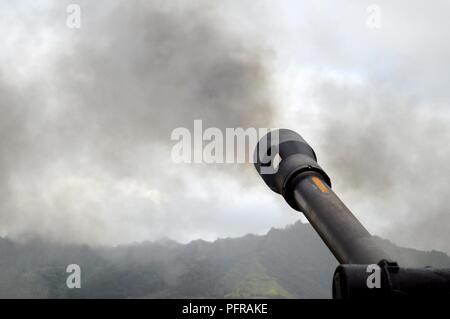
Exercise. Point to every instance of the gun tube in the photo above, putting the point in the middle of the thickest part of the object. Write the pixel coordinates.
(307, 188)
(341, 231)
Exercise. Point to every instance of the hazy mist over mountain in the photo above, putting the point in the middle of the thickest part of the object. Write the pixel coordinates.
(285, 263)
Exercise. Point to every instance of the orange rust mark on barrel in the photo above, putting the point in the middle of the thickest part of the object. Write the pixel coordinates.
(317, 181)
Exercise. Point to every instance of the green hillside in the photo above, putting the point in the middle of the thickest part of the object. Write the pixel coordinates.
(285, 263)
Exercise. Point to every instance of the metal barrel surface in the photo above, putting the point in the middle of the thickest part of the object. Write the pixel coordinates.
(307, 188)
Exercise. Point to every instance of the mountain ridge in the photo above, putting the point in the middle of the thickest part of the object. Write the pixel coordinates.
(284, 263)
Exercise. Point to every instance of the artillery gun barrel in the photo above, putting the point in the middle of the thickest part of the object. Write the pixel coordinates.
(288, 165)
(307, 188)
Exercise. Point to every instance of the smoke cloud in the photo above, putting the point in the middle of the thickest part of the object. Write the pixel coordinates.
(85, 150)
(86, 115)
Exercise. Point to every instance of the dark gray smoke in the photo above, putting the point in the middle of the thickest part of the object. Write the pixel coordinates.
(85, 147)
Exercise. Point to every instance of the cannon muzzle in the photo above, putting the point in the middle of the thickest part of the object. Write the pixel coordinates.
(307, 188)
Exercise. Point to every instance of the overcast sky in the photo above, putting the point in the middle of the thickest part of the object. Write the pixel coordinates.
(86, 115)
